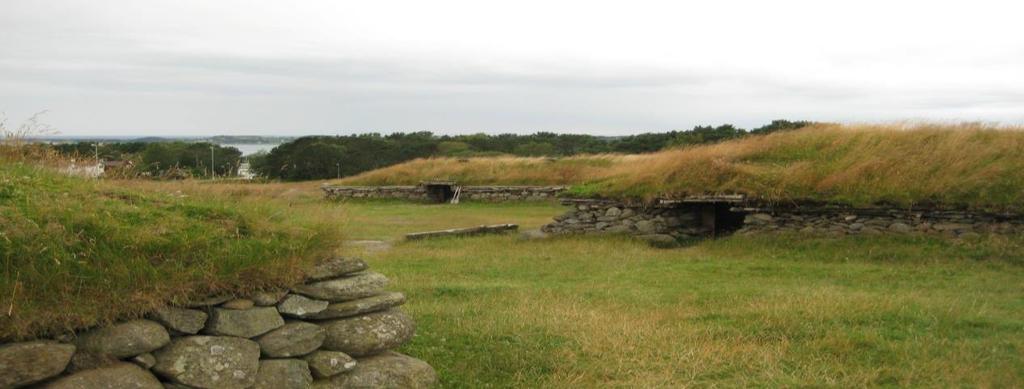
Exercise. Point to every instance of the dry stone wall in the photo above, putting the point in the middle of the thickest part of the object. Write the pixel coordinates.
(334, 331)
(835, 220)
(468, 193)
(675, 220)
(611, 217)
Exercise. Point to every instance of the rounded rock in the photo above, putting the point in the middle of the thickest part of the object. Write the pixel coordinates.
(292, 340)
(30, 362)
(209, 361)
(369, 334)
(119, 376)
(344, 289)
(124, 340)
(246, 323)
(283, 374)
(325, 364)
(388, 370)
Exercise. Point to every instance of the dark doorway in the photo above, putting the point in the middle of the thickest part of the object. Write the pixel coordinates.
(440, 193)
(727, 220)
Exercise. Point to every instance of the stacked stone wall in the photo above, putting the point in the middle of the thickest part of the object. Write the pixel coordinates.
(336, 330)
(611, 217)
(879, 220)
(468, 193)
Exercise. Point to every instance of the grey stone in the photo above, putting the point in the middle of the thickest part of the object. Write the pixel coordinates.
(335, 267)
(209, 301)
(87, 360)
(646, 227)
(388, 370)
(268, 298)
(601, 225)
(627, 213)
(293, 339)
(118, 376)
(324, 364)
(283, 374)
(144, 361)
(344, 289)
(30, 362)
(209, 361)
(124, 340)
(297, 305)
(900, 227)
(185, 321)
(244, 324)
(358, 307)
(613, 211)
(368, 334)
(238, 304)
(856, 226)
(618, 229)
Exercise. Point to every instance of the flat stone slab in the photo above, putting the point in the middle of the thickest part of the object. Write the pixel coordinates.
(353, 287)
(185, 321)
(124, 340)
(209, 361)
(335, 267)
(297, 305)
(470, 231)
(368, 334)
(30, 362)
(119, 376)
(246, 323)
(376, 303)
(387, 370)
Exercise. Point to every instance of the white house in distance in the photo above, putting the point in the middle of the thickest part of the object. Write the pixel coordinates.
(245, 171)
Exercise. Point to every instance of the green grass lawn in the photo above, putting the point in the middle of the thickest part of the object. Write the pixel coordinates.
(741, 311)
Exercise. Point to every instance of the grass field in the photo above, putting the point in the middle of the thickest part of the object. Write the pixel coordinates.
(968, 165)
(741, 311)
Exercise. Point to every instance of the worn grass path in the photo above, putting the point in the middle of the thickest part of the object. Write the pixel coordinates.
(741, 311)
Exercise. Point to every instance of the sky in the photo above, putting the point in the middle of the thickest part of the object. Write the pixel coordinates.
(239, 67)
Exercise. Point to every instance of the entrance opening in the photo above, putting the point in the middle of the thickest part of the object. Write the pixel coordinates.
(718, 219)
(440, 192)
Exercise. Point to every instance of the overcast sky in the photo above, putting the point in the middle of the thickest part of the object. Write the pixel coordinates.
(201, 67)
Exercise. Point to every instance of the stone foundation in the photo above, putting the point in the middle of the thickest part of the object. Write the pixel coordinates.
(688, 219)
(880, 220)
(334, 331)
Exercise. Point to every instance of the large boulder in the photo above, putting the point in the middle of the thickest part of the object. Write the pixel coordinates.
(297, 305)
(29, 362)
(345, 289)
(335, 267)
(243, 323)
(283, 374)
(209, 361)
(324, 364)
(388, 370)
(358, 307)
(124, 340)
(368, 334)
(292, 340)
(118, 376)
(184, 321)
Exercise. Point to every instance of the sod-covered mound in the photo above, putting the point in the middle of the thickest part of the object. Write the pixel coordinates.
(77, 252)
(963, 165)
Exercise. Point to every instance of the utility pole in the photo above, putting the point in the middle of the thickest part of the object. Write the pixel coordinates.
(213, 173)
(97, 146)
(339, 169)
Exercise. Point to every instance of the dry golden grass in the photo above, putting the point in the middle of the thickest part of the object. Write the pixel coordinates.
(972, 165)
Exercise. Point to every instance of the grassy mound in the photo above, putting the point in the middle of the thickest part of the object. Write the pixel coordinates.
(79, 252)
(968, 165)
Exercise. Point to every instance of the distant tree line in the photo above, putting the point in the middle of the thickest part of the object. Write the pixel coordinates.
(161, 159)
(321, 157)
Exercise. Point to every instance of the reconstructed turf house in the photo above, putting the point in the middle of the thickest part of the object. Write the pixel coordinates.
(951, 179)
